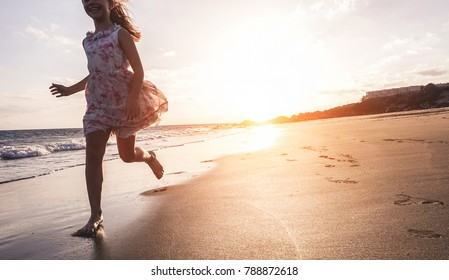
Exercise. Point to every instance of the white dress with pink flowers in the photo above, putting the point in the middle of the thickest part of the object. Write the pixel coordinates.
(109, 85)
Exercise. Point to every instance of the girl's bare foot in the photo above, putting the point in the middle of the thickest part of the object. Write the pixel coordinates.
(91, 228)
(155, 165)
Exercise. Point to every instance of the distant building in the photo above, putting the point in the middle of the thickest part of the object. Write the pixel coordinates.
(402, 90)
(391, 92)
(443, 86)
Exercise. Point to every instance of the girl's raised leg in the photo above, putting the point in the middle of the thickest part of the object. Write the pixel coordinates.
(95, 149)
(129, 153)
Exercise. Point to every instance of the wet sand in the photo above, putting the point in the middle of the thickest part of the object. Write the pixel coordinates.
(372, 187)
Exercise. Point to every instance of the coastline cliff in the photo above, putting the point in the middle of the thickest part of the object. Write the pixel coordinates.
(430, 96)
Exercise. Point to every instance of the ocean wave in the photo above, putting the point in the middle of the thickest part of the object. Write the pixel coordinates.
(60, 147)
(28, 154)
(27, 151)
(11, 152)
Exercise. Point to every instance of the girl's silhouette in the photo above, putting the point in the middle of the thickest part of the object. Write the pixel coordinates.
(119, 101)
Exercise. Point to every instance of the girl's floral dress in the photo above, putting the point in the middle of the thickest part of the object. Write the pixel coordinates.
(108, 87)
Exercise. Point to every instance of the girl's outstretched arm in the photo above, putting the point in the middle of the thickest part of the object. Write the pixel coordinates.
(60, 90)
(129, 48)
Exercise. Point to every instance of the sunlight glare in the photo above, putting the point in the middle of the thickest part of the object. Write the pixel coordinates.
(262, 137)
(263, 72)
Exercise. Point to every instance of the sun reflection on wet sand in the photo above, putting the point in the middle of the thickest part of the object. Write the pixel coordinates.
(261, 137)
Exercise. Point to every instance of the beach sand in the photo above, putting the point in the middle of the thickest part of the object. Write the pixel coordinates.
(372, 187)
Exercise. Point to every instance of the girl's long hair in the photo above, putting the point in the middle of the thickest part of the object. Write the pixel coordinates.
(120, 15)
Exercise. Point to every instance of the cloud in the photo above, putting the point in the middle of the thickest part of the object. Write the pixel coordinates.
(342, 92)
(405, 57)
(336, 8)
(396, 42)
(169, 53)
(432, 72)
(170, 75)
(47, 34)
(173, 81)
(413, 45)
(37, 33)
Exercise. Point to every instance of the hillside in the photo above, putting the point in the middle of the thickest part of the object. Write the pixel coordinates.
(430, 96)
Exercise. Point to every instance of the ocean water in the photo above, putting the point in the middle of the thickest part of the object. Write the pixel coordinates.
(27, 154)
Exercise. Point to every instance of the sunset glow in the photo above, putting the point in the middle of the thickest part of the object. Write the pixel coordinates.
(262, 137)
(228, 61)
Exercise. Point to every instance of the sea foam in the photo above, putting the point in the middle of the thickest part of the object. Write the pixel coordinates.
(17, 152)
(26, 151)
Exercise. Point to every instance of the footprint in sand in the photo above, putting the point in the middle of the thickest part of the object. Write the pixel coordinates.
(403, 199)
(346, 181)
(346, 158)
(424, 233)
(176, 173)
(409, 140)
(310, 148)
(393, 140)
(155, 191)
(288, 159)
(342, 157)
(351, 159)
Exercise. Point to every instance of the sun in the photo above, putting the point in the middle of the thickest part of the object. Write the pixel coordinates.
(261, 73)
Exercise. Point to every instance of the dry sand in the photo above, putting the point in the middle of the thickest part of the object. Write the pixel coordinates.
(373, 187)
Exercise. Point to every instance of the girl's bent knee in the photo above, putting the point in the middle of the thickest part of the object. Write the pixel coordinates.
(128, 159)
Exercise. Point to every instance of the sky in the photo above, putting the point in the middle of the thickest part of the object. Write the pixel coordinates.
(227, 61)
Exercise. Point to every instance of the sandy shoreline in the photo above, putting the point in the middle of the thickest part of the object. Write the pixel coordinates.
(351, 188)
